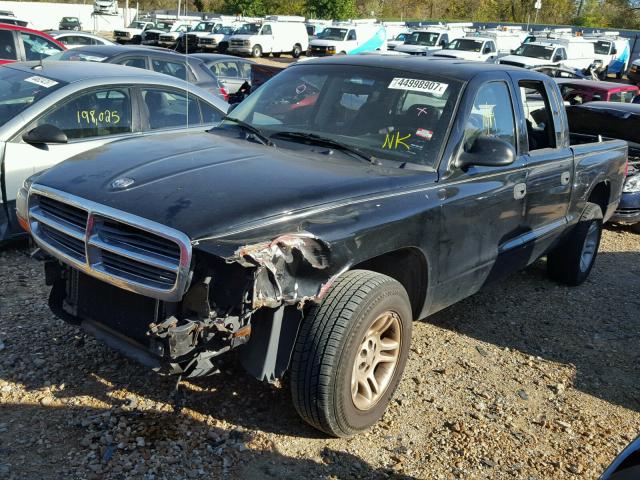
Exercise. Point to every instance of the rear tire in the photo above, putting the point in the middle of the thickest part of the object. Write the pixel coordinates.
(350, 353)
(297, 51)
(256, 51)
(571, 262)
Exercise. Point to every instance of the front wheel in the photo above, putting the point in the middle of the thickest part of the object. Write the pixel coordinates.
(571, 262)
(256, 51)
(297, 51)
(350, 353)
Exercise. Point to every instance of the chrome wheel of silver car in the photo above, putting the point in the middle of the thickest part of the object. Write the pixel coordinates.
(589, 247)
(376, 360)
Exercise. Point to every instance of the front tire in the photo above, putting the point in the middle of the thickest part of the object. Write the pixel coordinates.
(256, 51)
(571, 262)
(350, 353)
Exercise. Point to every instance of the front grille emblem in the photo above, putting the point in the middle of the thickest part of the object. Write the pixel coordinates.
(123, 182)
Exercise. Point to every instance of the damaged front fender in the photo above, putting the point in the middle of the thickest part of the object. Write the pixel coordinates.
(289, 270)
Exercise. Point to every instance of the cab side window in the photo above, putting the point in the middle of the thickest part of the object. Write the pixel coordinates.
(93, 114)
(266, 30)
(137, 62)
(7, 47)
(175, 69)
(37, 47)
(351, 35)
(491, 115)
(537, 112)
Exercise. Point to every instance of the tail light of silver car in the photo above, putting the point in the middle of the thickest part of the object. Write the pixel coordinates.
(122, 249)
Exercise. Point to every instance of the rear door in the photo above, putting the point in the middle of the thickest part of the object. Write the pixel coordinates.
(549, 162)
(10, 50)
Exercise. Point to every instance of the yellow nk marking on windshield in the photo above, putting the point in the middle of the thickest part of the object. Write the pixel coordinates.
(392, 141)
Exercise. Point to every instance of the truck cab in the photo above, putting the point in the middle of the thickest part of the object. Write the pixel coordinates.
(133, 33)
(613, 51)
(348, 39)
(474, 48)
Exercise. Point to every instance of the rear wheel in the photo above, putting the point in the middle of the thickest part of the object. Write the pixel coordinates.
(350, 353)
(297, 51)
(571, 262)
(256, 51)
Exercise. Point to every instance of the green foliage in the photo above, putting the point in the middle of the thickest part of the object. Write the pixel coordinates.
(332, 9)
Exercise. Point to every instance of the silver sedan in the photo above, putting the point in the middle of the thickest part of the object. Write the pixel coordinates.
(52, 111)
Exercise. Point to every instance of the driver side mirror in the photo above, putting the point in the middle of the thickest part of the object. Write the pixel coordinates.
(44, 134)
(488, 152)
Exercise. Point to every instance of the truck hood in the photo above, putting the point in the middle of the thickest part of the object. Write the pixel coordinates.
(129, 30)
(208, 185)
(415, 48)
(526, 61)
(464, 55)
(244, 37)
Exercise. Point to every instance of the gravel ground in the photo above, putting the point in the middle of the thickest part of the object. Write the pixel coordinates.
(527, 379)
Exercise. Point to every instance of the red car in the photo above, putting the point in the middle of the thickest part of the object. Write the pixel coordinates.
(18, 44)
(577, 92)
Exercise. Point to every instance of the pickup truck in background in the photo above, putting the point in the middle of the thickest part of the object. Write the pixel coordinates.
(343, 199)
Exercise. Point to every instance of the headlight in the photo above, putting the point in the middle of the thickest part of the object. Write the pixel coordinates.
(632, 184)
(331, 49)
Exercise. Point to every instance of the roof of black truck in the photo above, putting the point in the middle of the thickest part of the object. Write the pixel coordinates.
(448, 67)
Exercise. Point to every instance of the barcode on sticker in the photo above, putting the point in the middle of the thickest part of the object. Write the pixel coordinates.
(42, 81)
(427, 86)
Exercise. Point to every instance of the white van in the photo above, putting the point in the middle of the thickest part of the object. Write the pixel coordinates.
(349, 39)
(574, 52)
(428, 40)
(276, 35)
(614, 51)
(314, 27)
(506, 38)
(479, 49)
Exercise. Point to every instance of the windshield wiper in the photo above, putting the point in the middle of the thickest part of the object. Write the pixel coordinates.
(328, 142)
(255, 132)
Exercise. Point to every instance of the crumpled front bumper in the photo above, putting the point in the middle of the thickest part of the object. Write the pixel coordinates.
(628, 211)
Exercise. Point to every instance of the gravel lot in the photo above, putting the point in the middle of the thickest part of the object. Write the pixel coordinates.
(526, 379)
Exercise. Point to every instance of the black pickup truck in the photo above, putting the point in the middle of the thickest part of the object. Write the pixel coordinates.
(345, 198)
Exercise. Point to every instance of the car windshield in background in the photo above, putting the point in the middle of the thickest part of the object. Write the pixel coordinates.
(467, 45)
(249, 29)
(333, 34)
(163, 26)
(422, 38)
(386, 114)
(602, 48)
(19, 90)
(137, 25)
(542, 52)
(224, 30)
(402, 37)
(204, 27)
(70, 19)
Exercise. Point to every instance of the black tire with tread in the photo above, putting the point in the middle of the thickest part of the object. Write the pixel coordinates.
(297, 51)
(563, 262)
(256, 51)
(329, 339)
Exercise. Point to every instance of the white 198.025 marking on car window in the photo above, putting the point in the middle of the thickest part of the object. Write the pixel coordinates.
(426, 86)
(42, 81)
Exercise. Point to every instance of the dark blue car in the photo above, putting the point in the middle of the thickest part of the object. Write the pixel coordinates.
(621, 121)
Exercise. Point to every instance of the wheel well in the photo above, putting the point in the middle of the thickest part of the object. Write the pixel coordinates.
(409, 267)
(600, 196)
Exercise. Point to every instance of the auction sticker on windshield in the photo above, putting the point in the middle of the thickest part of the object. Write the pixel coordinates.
(42, 81)
(426, 86)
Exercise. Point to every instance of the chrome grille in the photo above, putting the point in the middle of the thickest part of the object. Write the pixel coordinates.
(128, 251)
(207, 41)
(152, 36)
(237, 43)
(167, 38)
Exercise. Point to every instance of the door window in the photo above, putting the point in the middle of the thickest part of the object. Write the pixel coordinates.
(351, 35)
(94, 114)
(266, 30)
(37, 47)
(137, 62)
(491, 115)
(7, 46)
(175, 69)
(76, 40)
(170, 108)
(245, 70)
(210, 114)
(535, 103)
(225, 69)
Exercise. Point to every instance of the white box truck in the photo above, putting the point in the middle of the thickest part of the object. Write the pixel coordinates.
(613, 50)
(571, 52)
(349, 38)
(276, 35)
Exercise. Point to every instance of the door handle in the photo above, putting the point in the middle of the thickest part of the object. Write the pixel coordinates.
(519, 190)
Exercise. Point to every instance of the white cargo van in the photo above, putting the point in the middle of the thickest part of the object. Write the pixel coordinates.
(479, 49)
(276, 35)
(314, 27)
(428, 40)
(573, 52)
(506, 38)
(349, 39)
(613, 50)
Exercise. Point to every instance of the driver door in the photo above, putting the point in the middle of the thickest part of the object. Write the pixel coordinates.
(89, 119)
(266, 39)
(480, 236)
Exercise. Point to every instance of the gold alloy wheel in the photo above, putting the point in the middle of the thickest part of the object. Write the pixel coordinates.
(376, 360)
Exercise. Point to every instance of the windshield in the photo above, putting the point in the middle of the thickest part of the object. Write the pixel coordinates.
(333, 34)
(249, 29)
(204, 27)
(137, 25)
(427, 39)
(465, 44)
(163, 26)
(69, 19)
(225, 30)
(385, 113)
(402, 37)
(602, 48)
(19, 90)
(535, 51)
